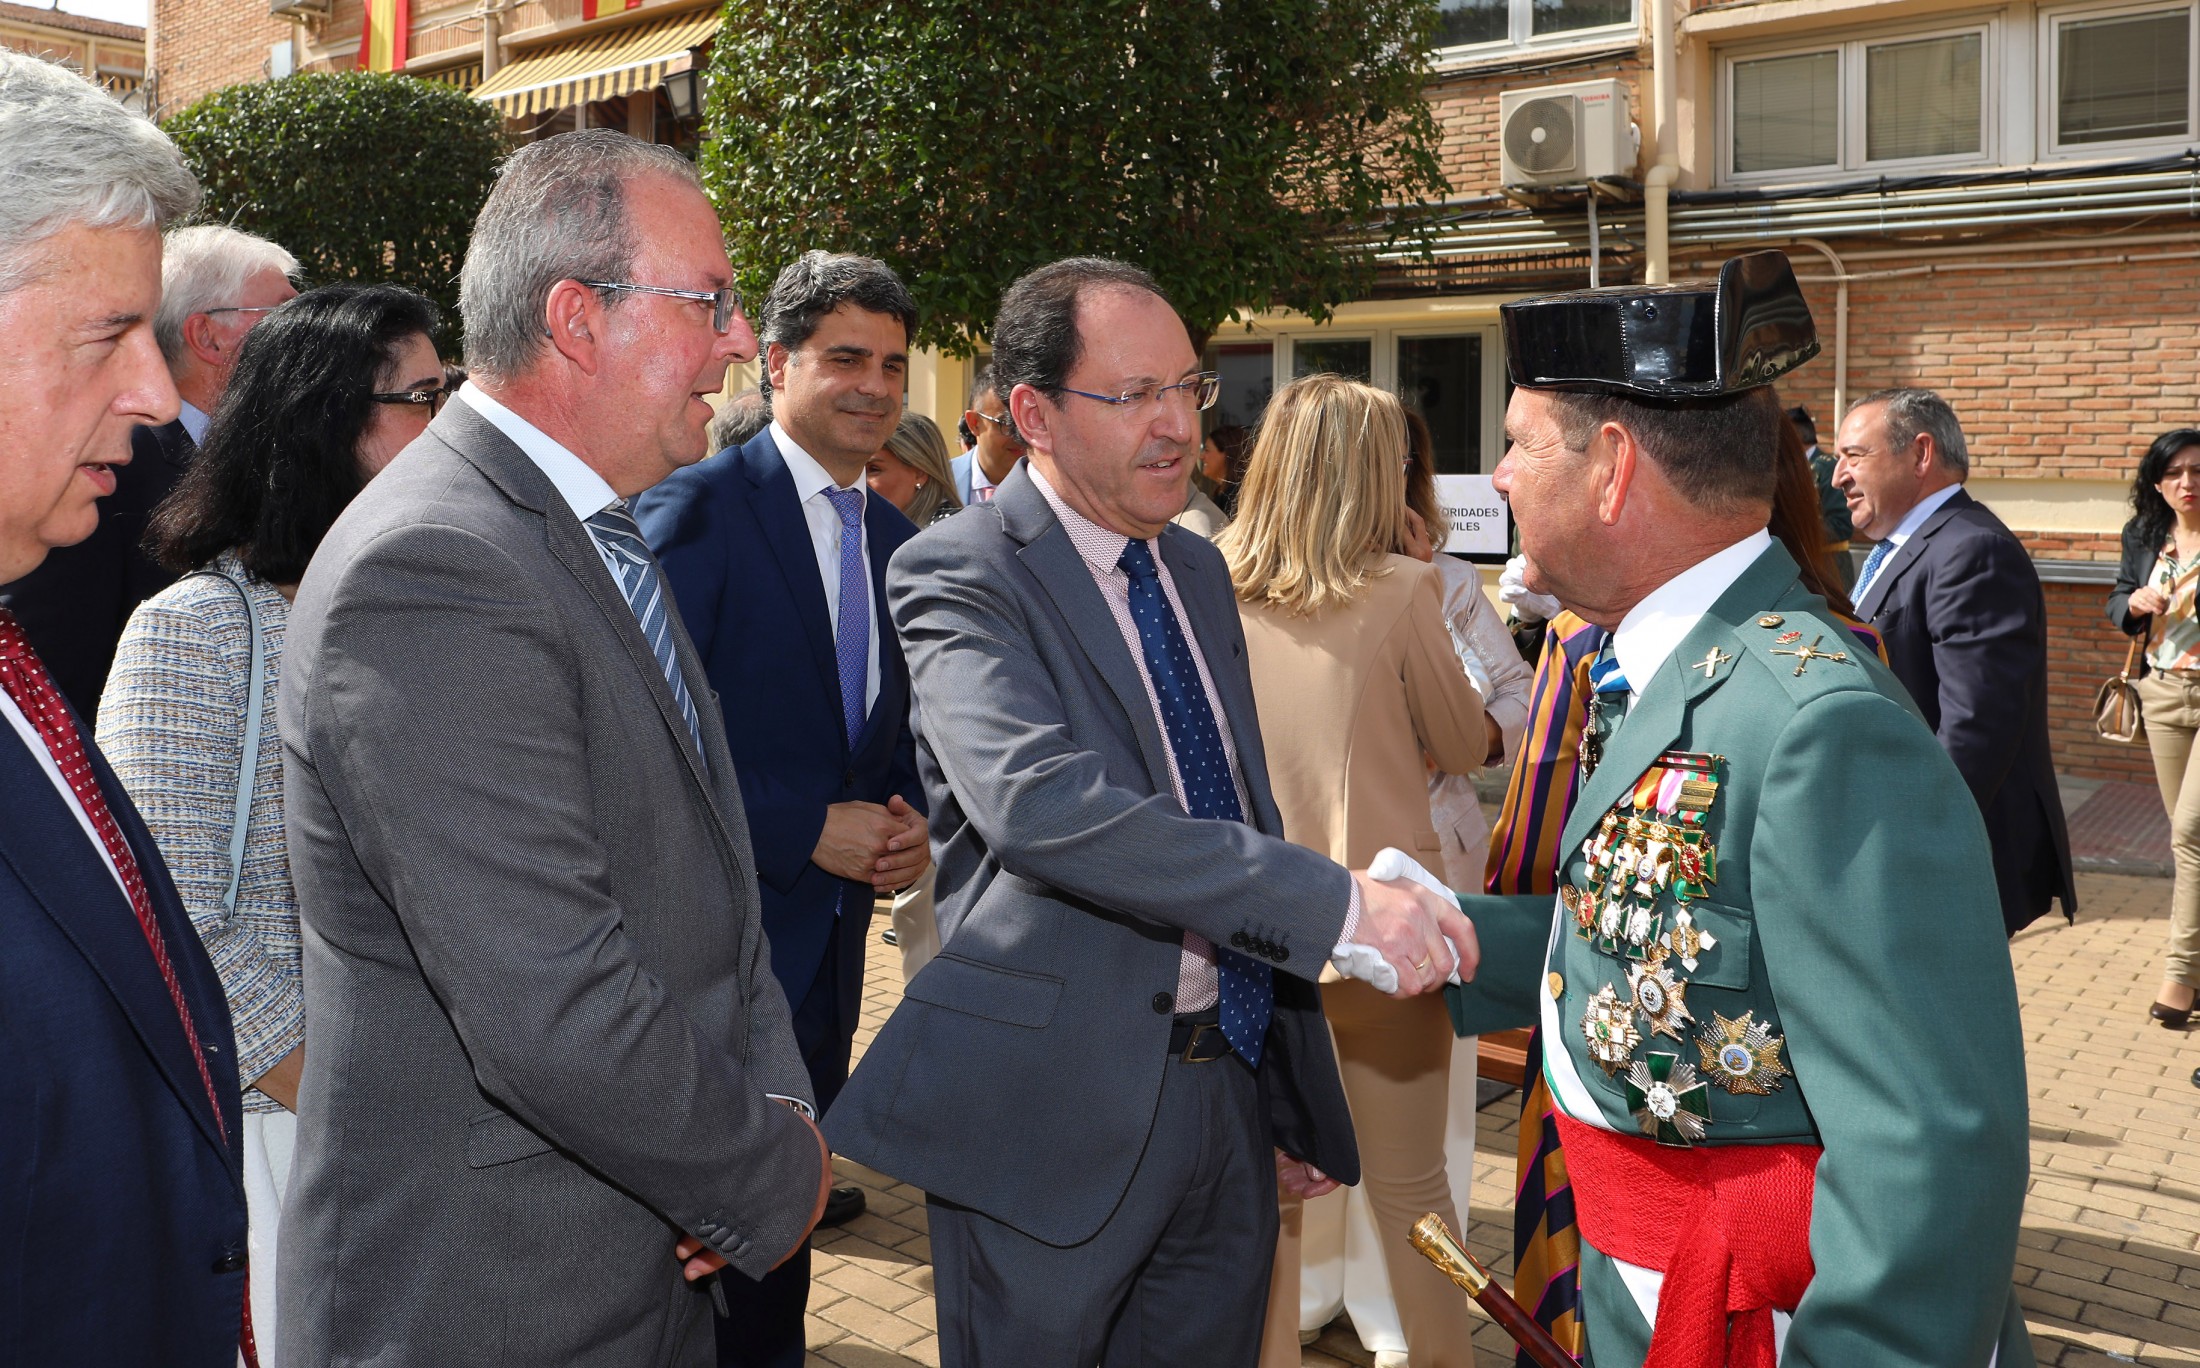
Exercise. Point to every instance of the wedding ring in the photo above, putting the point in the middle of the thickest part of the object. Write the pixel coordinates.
(1421, 963)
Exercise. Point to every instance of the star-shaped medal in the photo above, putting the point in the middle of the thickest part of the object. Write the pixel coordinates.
(1686, 940)
(1609, 1028)
(1660, 997)
(1741, 1056)
(1670, 1103)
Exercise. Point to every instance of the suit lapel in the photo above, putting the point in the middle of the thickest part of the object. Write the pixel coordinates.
(778, 510)
(1658, 715)
(1911, 551)
(42, 842)
(1053, 560)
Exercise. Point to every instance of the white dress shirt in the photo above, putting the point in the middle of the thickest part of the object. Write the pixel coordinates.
(810, 483)
(1654, 628)
(584, 491)
(36, 744)
(1903, 531)
(194, 421)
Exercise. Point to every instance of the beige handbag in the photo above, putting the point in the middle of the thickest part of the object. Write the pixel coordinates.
(2116, 707)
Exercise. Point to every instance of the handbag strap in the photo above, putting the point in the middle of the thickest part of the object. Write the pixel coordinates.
(2133, 656)
(248, 766)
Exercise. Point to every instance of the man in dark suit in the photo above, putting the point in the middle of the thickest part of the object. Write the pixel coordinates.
(1120, 1051)
(995, 448)
(121, 1183)
(777, 556)
(1954, 595)
(216, 285)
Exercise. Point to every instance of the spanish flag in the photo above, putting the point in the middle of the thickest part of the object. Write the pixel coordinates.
(382, 39)
(595, 9)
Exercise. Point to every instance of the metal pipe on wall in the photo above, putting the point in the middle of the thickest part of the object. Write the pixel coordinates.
(1667, 169)
(1840, 325)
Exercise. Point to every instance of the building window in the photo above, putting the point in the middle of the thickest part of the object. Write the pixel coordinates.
(2119, 79)
(1440, 373)
(1910, 101)
(1478, 23)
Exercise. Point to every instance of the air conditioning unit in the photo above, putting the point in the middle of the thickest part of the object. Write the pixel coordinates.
(1565, 134)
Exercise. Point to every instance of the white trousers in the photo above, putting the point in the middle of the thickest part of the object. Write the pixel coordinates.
(269, 1138)
(1341, 1259)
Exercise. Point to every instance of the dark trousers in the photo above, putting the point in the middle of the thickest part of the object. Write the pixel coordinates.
(1178, 1275)
(763, 1324)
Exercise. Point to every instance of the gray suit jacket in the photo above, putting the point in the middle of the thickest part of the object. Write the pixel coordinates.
(540, 1015)
(1021, 1072)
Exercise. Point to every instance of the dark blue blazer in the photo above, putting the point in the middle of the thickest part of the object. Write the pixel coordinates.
(122, 1216)
(1965, 621)
(731, 536)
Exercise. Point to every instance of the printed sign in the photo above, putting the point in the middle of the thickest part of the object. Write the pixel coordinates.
(1481, 524)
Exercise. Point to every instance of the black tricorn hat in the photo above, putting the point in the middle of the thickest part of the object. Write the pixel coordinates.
(1694, 340)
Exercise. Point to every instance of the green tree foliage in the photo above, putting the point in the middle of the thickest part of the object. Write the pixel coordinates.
(1248, 152)
(361, 176)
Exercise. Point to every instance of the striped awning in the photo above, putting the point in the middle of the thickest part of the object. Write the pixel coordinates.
(464, 77)
(595, 66)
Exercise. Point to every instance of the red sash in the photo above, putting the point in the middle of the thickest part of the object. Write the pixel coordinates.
(1728, 1225)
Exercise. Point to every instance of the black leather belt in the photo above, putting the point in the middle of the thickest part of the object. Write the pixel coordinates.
(1199, 1038)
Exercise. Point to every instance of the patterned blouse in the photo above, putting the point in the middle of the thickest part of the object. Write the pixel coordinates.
(2178, 646)
(172, 724)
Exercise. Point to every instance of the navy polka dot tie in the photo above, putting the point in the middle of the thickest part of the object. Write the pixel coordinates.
(1247, 987)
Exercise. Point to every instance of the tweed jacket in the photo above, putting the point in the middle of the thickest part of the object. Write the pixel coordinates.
(172, 723)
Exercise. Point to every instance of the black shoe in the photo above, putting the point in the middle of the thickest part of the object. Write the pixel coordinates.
(2172, 1018)
(889, 937)
(842, 1205)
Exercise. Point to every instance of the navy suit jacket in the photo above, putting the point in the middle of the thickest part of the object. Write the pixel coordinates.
(1965, 621)
(74, 606)
(730, 534)
(122, 1215)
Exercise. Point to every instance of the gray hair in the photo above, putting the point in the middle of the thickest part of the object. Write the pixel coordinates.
(557, 212)
(816, 283)
(205, 267)
(1909, 412)
(744, 415)
(69, 154)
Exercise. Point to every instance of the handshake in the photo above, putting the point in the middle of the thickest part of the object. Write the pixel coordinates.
(1410, 938)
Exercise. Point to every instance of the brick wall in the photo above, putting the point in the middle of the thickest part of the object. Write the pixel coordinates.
(195, 47)
(2056, 374)
(2083, 649)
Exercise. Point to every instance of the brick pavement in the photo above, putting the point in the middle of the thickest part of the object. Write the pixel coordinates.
(2109, 1266)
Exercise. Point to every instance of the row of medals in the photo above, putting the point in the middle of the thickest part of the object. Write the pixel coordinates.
(1653, 852)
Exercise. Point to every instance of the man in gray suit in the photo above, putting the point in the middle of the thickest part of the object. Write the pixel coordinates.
(553, 1087)
(1120, 1050)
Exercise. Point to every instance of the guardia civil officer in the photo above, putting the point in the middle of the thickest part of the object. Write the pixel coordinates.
(1780, 1026)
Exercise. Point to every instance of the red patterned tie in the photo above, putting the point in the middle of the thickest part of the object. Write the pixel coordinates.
(26, 681)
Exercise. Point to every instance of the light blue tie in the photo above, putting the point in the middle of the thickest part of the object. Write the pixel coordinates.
(1872, 562)
(1605, 676)
(852, 639)
(616, 532)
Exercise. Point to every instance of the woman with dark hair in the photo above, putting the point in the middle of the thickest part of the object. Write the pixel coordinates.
(2154, 598)
(325, 393)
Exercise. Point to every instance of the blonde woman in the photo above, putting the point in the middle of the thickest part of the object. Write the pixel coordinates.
(1356, 680)
(910, 471)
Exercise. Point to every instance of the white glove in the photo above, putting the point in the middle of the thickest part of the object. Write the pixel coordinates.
(1365, 962)
(1526, 603)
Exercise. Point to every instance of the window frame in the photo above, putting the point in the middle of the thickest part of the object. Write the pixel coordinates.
(1383, 339)
(1520, 35)
(1851, 126)
(2048, 82)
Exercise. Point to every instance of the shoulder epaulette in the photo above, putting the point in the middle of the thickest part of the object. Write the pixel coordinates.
(1808, 654)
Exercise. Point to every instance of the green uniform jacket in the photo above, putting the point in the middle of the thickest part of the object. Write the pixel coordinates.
(1854, 913)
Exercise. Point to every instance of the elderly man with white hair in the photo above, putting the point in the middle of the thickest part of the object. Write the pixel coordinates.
(120, 1184)
(217, 283)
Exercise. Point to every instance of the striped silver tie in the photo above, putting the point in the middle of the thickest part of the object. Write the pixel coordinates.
(644, 586)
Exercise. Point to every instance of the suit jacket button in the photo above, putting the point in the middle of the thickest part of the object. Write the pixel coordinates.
(1283, 953)
(231, 1262)
(1163, 1003)
(1237, 938)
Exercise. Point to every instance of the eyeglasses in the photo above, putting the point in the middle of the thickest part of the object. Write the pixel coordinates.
(243, 308)
(999, 420)
(725, 302)
(1202, 390)
(433, 397)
